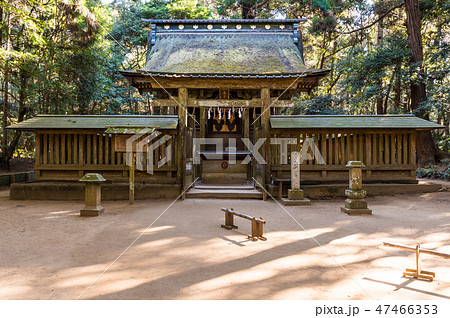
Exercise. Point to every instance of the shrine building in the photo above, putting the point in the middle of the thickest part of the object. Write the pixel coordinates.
(221, 86)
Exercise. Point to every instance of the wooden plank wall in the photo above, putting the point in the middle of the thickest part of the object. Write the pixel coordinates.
(388, 155)
(68, 156)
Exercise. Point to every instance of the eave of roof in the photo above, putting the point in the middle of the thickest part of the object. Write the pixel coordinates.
(352, 122)
(306, 73)
(97, 122)
(223, 21)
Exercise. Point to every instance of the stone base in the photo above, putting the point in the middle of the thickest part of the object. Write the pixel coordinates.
(295, 194)
(356, 211)
(355, 204)
(88, 211)
(289, 202)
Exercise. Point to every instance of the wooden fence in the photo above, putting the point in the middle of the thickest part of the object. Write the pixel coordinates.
(69, 155)
(389, 155)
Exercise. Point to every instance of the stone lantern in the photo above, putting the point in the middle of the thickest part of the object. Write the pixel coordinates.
(93, 194)
(355, 202)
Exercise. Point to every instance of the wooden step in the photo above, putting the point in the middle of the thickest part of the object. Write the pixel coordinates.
(224, 194)
(218, 186)
(223, 177)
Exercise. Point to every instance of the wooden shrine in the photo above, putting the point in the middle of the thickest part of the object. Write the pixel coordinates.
(228, 80)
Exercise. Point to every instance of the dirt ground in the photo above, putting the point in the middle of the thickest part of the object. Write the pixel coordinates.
(48, 252)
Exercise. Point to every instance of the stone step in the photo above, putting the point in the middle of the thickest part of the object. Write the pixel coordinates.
(218, 186)
(223, 194)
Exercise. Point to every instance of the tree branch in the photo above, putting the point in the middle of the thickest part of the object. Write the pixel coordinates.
(374, 22)
(256, 5)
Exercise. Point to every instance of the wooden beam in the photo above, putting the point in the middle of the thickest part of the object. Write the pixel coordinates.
(37, 149)
(51, 149)
(75, 149)
(57, 149)
(251, 103)
(69, 149)
(192, 102)
(413, 148)
(181, 153)
(265, 123)
(81, 154)
(242, 83)
(63, 149)
(281, 103)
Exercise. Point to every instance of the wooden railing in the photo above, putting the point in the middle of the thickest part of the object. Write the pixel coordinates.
(388, 155)
(68, 156)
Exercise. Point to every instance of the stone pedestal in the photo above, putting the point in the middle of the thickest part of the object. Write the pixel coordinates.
(295, 194)
(355, 204)
(93, 194)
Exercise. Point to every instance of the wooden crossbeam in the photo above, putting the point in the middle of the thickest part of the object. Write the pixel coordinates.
(257, 224)
(418, 272)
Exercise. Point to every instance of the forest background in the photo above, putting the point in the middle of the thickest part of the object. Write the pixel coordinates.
(385, 57)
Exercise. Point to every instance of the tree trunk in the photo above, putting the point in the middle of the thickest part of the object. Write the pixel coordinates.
(397, 88)
(380, 109)
(8, 150)
(427, 150)
(247, 11)
(5, 110)
(4, 142)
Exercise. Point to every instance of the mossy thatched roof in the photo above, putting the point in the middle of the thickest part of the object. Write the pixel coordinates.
(222, 53)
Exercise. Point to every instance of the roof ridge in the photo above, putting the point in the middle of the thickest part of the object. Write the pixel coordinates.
(168, 21)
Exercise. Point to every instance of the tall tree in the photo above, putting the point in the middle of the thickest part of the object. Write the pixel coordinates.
(427, 150)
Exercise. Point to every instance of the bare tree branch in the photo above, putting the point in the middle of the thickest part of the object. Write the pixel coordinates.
(374, 22)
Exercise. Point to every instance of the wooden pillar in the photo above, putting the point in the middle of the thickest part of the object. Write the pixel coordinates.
(131, 178)
(37, 154)
(413, 153)
(246, 122)
(265, 123)
(203, 114)
(368, 155)
(81, 154)
(182, 122)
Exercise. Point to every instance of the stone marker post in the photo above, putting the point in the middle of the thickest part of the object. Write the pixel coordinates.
(355, 202)
(93, 194)
(295, 194)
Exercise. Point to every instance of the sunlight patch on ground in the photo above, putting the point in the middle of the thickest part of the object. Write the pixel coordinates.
(156, 229)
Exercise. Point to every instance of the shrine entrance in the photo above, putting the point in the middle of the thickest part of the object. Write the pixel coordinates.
(221, 161)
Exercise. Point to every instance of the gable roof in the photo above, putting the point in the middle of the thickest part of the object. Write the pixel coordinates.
(96, 122)
(352, 122)
(226, 48)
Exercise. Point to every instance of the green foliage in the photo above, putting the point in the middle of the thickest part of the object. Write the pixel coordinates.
(319, 105)
(364, 70)
(188, 9)
(435, 171)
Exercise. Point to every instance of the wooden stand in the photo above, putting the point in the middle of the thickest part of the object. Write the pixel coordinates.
(257, 224)
(418, 272)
